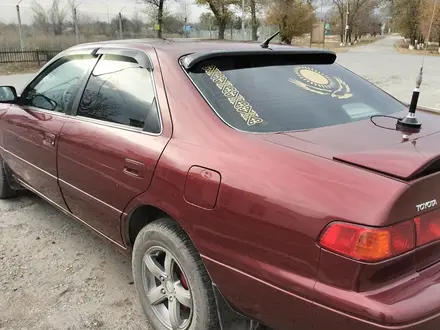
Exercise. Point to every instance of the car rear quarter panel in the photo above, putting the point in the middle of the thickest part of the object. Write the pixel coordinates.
(259, 240)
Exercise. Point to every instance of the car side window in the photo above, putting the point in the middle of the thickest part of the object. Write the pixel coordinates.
(120, 91)
(56, 87)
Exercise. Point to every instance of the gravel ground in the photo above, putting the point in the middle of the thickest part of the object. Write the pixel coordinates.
(56, 274)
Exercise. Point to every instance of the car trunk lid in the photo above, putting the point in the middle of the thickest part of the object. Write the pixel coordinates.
(415, 161)
(374, 146)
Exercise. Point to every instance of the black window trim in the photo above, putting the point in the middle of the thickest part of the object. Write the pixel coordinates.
(146, 63)
(139, 56)
(317, 56)
(49, 66)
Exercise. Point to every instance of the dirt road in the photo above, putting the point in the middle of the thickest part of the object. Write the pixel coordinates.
(56, 274)
(380, 63)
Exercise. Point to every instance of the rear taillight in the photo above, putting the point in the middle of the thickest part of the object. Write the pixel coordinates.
(376, 244)
(368, 244)
(427, 227)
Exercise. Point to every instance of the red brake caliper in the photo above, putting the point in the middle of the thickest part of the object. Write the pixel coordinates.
(183, 281)
(185, 285)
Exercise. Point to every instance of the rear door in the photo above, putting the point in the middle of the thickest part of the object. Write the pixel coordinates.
(30, 131)
(108, 152)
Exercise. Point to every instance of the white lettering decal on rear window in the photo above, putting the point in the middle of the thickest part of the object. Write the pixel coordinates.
(233, 95)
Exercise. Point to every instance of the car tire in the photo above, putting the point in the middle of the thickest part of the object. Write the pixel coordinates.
(6, 190)
(171, 279)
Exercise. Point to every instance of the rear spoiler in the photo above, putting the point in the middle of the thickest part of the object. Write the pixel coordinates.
(304, 56)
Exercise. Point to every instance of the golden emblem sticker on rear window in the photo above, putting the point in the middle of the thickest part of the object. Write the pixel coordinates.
(237, 100)
(317, 82)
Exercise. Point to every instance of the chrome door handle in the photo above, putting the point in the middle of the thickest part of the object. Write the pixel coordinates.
(134, 168)
(49, 139)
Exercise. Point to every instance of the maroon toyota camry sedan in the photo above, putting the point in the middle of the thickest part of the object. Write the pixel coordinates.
(253, 187)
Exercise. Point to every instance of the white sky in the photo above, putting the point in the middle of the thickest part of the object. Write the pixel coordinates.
(95, 8)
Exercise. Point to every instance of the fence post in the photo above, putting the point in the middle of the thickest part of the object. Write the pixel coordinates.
(38, 56)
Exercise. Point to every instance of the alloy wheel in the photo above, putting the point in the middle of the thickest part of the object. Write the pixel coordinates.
(167, 289)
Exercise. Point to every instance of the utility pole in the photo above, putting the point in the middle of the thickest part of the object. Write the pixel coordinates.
(108, 15)
(242, 19)
(430, 24)
(120, 23)
(19, 25)
(76, 25)
(75, 21)
(120, 26)
(185, 19)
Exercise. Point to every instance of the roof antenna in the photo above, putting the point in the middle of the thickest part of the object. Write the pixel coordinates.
(410, 124)
(266, 42)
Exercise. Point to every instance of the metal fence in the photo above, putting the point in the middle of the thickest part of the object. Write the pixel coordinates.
(27, 56)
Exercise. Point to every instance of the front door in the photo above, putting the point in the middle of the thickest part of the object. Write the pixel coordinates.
(30, 131)
(108, 152)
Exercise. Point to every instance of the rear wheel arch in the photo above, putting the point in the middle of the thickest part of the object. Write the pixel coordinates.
(138, 218)
(144, 215)
(141, 216)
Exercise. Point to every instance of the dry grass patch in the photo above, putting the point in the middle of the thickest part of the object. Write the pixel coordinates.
(18, 68)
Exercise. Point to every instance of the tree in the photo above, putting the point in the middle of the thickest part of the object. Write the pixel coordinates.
(158, 8)
(90, 26)
(358, 11)
(253, 7)
(236, 22)
(370, 22)
(127, 25)
(57, 16)
(173, 24)
(254, 22)
(408, 16)
(40, 19)
(184, 13)
(294, 18)
(208, 21)
(137, 23)
(341, 9)
(222, 13)
(53, 19)
(427, 14)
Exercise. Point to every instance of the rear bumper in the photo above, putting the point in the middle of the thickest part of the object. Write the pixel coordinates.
(411, 304)
(327, 319)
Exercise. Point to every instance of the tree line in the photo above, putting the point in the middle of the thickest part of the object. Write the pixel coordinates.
(58, 19)
(349, 18)
(413, 19)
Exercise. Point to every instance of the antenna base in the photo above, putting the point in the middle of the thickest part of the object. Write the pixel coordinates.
(409, 124)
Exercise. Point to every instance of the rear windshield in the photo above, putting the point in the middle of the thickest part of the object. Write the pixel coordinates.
(251, 95)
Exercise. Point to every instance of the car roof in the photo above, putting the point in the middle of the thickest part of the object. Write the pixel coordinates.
(177, 48)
